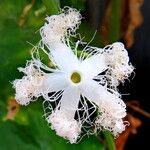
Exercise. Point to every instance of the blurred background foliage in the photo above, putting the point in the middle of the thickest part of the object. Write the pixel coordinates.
(24, 128)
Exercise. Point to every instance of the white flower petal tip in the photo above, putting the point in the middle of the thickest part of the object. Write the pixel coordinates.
(112, 110)
(59, 26)
(64, 126)
(118, 60)
(28, 87)
(114, 125)
(112, 105)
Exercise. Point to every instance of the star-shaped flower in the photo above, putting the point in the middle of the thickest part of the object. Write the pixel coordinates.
(72, 81)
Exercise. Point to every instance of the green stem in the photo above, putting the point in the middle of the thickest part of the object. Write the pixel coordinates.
(52, 6)
(114, 27)
(80, 51)
(109, 140)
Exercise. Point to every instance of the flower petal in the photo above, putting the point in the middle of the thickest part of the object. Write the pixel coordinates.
(28, 88)
(63, 56)
(93, 66)
(65, 126)
(54, 82)
(92, 91)
(70, 100)
(104, 99)
(113, 105)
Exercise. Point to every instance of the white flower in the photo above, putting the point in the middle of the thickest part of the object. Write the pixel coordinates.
(73, 78)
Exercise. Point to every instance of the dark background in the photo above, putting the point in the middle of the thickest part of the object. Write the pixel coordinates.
(139, 87)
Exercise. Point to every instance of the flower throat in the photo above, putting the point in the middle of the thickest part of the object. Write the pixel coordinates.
(75, 77)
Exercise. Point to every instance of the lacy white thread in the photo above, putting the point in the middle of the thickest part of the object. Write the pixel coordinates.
(64, 126)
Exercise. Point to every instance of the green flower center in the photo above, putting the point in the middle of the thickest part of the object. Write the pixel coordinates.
(75, 77)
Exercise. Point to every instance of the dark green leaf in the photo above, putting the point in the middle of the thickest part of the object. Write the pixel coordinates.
(52, 6)
(109, 140)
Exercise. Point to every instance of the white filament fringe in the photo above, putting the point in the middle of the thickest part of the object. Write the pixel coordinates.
(112, 111)
(58, 27)
(118, 61)
(64, 126)
(28, 87)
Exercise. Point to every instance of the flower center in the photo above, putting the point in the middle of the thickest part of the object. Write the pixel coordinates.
(75, 77)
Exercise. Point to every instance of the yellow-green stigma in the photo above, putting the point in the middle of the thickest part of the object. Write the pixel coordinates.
(75, 77)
